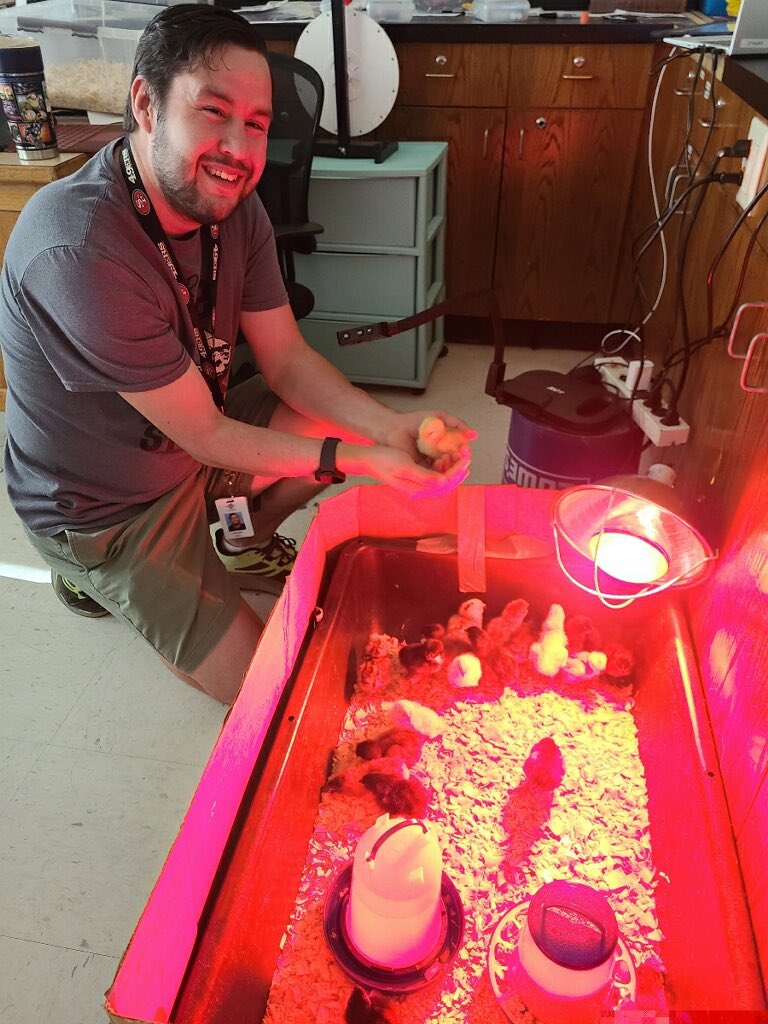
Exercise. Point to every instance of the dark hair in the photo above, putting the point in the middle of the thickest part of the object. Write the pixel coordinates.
(179, 38)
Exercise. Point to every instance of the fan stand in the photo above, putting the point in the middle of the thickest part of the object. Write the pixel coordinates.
(342, 147)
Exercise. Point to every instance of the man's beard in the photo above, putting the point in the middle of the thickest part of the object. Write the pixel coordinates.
(185, 197)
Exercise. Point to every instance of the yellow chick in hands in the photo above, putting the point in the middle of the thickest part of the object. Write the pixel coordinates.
(435, 440)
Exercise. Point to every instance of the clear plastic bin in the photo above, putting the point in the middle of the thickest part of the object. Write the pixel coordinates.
(500, 11)
(391, 10)
(88, 48)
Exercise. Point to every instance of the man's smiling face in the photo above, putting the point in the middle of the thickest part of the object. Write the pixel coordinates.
(209, 142)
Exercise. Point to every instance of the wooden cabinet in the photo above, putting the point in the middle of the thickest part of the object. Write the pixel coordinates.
(453, 74)
(573, 130)
(542, 144)
(475, 140)
(456, 93)
(565, 191)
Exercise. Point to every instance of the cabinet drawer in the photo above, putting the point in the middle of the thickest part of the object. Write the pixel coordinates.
(360, 283)
(452, 74)
(579, 76)
(387, 360)
(364, 211)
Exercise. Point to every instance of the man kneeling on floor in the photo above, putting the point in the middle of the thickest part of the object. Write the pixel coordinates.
(123, 290)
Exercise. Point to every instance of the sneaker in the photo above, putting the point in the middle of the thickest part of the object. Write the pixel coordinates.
(74, 598)
(265, 568)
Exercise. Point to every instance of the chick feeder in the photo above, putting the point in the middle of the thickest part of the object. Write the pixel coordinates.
(561, 955)
(393, 920)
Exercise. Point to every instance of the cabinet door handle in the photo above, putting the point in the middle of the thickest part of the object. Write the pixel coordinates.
(578, 78)
(485, 144)
(692, 76)
(715, 124)
(520, 144)
(433, 74)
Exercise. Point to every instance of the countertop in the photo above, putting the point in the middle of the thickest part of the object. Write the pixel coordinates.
(747, 77)
(465, 29)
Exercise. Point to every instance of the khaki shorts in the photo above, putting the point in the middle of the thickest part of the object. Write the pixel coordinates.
(158, 572)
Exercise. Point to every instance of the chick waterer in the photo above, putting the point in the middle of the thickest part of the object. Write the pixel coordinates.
(393, 919)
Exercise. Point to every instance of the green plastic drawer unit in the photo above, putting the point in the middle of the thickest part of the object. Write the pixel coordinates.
(369, 284)
(372, 362)
(365, 211)
(380, 257)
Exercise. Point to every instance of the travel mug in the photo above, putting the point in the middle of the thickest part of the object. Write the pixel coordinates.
(25, 101)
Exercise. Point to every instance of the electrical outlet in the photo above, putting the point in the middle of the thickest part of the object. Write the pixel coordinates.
(659, 434)
(754, 165)
(614, 373)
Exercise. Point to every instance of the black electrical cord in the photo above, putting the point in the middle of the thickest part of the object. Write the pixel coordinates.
(684, 148)
(721, 330)
(682, 250)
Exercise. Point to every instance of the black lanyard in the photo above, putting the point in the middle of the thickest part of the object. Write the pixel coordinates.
(211, 255)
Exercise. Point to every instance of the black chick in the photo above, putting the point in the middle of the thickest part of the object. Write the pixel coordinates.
(433, 631)
(371, 1008)
(420, 658)
(544, 766)
(406, 798)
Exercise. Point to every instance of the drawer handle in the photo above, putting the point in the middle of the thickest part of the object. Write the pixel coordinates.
(578, 78)
(485, 144)
(714, 124)
(433, 74)
(520, 144)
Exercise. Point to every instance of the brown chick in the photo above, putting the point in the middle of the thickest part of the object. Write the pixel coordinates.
(582, 634)
(371, 1008)
(433, 631)
(621, 662)
(401, 797)
(349, 781)
(544, 766)
(423, 657)
(501, 629)
(397, 742)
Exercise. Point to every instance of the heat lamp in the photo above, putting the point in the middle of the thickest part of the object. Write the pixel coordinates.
(627, 538)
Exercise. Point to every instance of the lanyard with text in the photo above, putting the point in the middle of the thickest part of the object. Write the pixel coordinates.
(211, 256)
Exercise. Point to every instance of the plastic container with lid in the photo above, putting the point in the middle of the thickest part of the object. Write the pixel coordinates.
(88, 47)
(391, 10)
(500, 11)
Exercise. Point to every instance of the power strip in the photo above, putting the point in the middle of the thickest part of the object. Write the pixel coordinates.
(615, 373)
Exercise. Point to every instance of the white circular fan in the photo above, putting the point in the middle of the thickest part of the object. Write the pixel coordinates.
(373, 75)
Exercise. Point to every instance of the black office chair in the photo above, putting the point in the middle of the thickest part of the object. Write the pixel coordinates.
(297, 100)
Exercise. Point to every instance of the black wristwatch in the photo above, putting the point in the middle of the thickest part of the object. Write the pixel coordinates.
(327, 472)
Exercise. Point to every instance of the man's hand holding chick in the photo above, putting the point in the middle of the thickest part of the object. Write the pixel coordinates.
(451, 462)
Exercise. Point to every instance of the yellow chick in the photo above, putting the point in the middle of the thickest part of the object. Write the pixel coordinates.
(436, 440)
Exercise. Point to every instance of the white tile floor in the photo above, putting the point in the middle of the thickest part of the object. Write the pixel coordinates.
(101, 748)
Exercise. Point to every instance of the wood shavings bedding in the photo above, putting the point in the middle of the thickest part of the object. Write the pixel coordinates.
(502, 837)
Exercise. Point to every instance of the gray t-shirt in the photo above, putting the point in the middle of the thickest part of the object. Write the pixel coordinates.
(88, 308)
